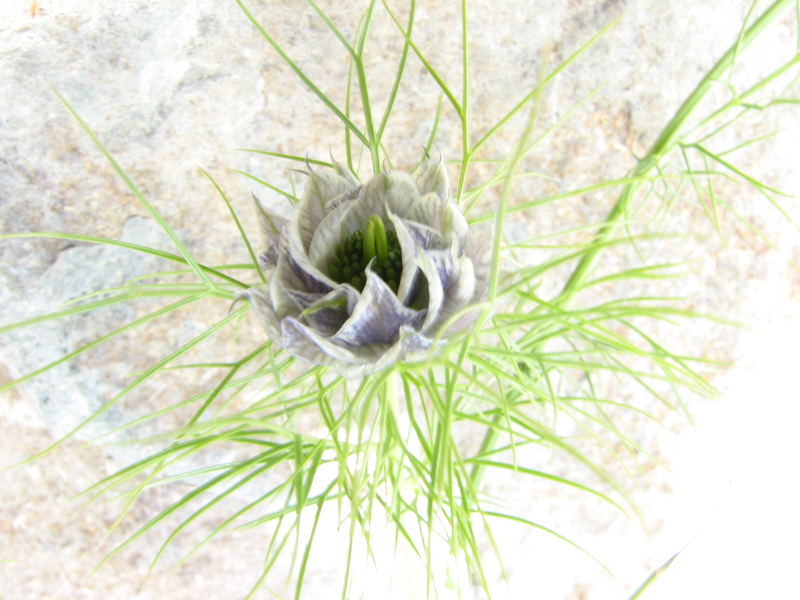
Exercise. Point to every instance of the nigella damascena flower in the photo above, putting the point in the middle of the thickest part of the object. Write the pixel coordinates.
(361, 276)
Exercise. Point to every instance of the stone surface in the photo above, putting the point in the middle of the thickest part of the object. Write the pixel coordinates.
(171, 87)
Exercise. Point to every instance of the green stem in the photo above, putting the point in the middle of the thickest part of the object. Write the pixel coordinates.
(366, 106)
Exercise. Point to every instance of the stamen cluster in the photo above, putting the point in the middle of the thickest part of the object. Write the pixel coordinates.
(352, 255)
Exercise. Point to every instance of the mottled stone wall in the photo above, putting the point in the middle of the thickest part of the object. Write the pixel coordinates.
(171, 87)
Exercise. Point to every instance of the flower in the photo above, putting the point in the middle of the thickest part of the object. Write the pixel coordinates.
(361, 276)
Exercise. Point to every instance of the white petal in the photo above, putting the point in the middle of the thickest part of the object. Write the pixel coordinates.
(334, 228)
(443, 217)
(479, 250)
(453, 225)
(344, 172)
(435, 290)
(270, 223)
(272, 226)
(368, 203)
(321, 187)
(394, 191)
(408, 249)
(432, 177)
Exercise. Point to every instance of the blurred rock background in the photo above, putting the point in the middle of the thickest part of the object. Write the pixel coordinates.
(171, 87)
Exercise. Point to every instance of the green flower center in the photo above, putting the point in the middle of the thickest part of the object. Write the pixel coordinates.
(353, 253)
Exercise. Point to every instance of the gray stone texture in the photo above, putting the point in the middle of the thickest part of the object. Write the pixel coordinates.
(171, 87)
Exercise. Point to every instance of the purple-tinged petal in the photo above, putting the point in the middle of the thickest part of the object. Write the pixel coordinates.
(349, 196)
(444, 261)
(304, 342)
(289, 284)
(413, 343)
(268, 259)
(410, 346)
(458, 294)
(281, 279)
(377, 317)
(272, 226)
(302, 300)
(424, 236)
(259, 299)
(312, 279)
(326, 313)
